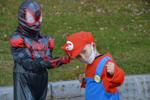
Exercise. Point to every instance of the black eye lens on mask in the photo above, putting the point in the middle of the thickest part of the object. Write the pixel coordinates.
(38, 13)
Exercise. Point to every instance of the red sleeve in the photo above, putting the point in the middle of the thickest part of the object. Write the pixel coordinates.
(111, 82)
(16, 41)
(51, 43)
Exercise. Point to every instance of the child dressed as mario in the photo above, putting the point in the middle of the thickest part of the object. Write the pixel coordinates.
(102, 74)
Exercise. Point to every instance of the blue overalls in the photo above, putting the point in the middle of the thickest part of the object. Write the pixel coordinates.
(95, 90)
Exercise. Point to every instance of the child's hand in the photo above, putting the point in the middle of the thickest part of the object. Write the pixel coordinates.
(81, 77)
(65, 59)
(110, 68)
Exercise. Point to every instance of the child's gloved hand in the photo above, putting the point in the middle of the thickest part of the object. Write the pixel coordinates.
(65, 59)
(110, 68)
(81, 78)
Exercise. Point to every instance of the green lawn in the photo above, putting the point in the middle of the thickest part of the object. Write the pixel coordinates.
(121, 27)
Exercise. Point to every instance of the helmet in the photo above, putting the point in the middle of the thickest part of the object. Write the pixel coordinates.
(30, 16)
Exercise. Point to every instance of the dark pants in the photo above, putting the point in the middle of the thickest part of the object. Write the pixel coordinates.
(30, 86)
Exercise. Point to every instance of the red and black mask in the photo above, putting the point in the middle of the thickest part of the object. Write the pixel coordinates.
(30, 16)
(33, 18)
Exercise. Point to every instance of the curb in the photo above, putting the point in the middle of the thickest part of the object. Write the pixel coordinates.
(135, 87)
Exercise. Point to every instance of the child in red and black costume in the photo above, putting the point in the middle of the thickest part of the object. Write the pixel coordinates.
(102, 74)
(32, 54)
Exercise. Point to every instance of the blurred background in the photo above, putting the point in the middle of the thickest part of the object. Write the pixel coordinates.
(121, 27)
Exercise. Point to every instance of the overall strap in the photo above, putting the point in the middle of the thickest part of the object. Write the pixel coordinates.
(100, 67)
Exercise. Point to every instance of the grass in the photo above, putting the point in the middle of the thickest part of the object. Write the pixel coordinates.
(121, 27)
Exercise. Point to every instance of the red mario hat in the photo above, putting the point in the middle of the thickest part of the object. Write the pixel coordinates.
(76, 42)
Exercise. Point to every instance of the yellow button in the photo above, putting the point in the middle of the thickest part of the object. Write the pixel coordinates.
(97, 78)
